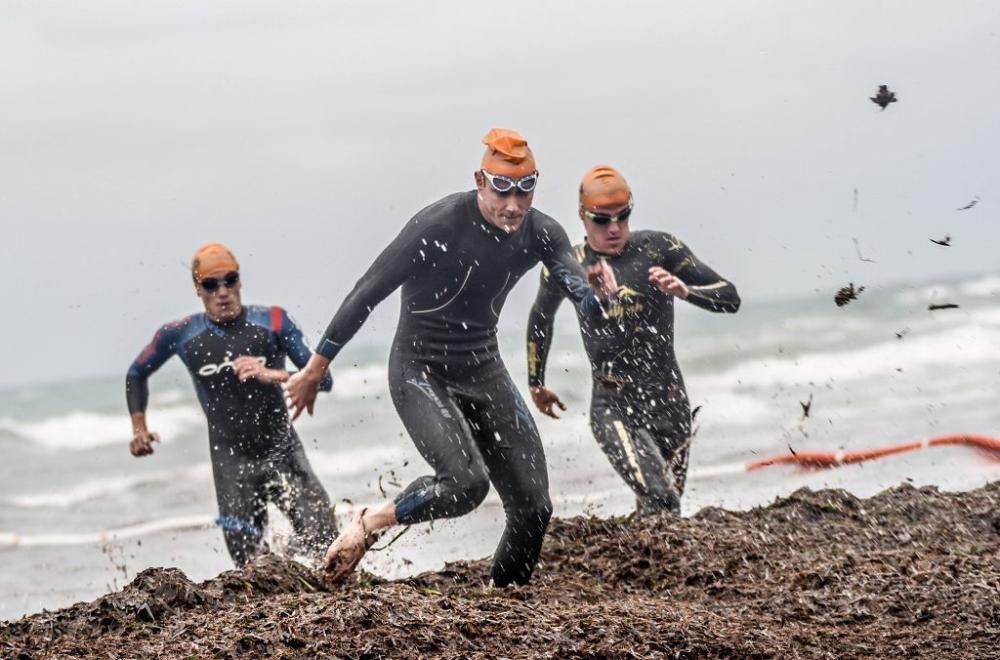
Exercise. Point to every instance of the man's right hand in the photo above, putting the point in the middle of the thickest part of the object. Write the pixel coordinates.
(302, 388)
(142, 443)
(544, 399)
(602, 280)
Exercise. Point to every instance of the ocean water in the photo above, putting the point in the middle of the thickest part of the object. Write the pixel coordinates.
(79, 515)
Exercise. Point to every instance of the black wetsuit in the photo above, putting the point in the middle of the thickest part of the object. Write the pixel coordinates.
(639, 410)
(256, 455)
(447, 380)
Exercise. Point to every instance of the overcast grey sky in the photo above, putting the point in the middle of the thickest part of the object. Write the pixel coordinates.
(304, 134)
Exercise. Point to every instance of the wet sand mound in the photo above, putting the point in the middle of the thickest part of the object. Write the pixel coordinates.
(908, 573)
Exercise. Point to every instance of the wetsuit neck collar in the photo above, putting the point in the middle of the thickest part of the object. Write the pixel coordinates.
(239, 318)
(607, 255)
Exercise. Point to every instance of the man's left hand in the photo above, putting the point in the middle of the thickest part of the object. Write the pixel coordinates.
(668, 283)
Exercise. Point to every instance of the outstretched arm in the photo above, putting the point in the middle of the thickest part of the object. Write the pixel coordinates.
(540, 326)
(292, 341)
(398, 261)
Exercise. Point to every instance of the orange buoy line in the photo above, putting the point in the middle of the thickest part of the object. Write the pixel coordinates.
(819, 459)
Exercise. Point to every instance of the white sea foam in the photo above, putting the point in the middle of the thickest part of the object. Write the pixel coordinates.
(951, 349)
(82, 430)
(326, 464)
(107, 487)
(725, 407)
(356, 461)
(364, 380)
(986, 287)
(923, 295)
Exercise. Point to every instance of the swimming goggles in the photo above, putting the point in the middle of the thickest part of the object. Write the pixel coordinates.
(230, 279)
(505, 184)
(606, 219)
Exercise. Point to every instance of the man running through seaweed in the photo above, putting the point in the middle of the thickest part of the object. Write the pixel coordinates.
(639, 411)
(456, 261)
(236, 357)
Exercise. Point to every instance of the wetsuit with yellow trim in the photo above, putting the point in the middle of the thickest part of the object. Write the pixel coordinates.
(639, 411)
(257, 456)
(447, 380)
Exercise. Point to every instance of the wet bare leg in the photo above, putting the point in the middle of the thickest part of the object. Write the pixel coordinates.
(354, 540)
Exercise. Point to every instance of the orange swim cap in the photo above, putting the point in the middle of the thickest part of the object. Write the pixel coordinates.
(602, 186)
(211, 259)
(507, 153)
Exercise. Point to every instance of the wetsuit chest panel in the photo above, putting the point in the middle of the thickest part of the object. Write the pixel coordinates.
(250, 412)
(637, 340)
(452, 304)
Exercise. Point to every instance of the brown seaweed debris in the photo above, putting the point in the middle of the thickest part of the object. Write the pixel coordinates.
(806, 406)
(908, 573)
(884, 97)
(847, 294)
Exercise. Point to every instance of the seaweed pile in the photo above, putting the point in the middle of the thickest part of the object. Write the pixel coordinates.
(907, 573)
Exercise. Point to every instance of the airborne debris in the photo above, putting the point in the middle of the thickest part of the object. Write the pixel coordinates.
(884, 97)
(806, 406)
(945, 242)
(847, 294)
(857, 248)
(969, 205)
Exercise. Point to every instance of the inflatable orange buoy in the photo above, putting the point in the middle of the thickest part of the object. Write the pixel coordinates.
(818, 459)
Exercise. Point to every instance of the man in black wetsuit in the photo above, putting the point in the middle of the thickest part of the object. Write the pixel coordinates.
(456, 261)
(236, 357)
(639, 410)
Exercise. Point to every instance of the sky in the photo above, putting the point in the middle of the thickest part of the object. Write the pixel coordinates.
(305, 134)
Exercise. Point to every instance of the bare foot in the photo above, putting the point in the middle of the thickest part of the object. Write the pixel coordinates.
(347, 549)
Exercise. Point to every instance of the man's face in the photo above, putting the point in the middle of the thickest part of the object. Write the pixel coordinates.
(608, 238)
(503, 210)
(220, 293)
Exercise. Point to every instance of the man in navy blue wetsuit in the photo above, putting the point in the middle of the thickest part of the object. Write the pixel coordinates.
(455, 262)
(235, 354)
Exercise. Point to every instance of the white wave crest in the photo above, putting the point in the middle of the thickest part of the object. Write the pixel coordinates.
(965, 346)
(365, 380)
(340, 464)
(81, 430)
(107, 487)
(985, 287)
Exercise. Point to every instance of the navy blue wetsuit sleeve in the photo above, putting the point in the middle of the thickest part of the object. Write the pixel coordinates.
(293, 343)
(565, 270)
(397, 262)
(159, 350)
(706, 288)
(541, 322)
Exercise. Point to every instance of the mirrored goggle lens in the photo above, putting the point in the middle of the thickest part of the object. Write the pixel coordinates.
(213, 283)
(605, 219)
